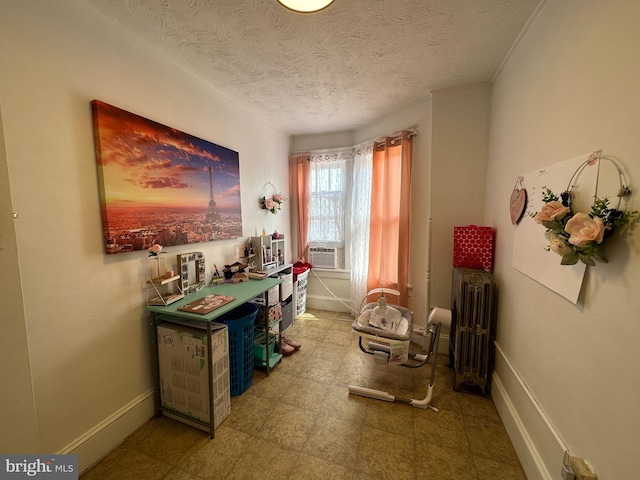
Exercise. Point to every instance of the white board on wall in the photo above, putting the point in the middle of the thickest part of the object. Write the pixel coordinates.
(530, 254)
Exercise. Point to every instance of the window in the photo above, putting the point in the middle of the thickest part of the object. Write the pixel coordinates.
(328, 200)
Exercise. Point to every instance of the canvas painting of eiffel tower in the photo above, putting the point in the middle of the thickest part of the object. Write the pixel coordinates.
(160, 185)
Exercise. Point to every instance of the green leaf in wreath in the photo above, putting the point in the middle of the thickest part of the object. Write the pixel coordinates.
(553, 225)
(570, 258)
(587, 260)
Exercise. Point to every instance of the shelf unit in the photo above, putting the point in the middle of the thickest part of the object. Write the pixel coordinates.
(161, 285)
(263, 339)
(269, 252)
(262, 327)
(269, 257)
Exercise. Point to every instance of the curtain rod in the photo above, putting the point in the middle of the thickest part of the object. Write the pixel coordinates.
(328, 151)
(413, 132)
(335, 154)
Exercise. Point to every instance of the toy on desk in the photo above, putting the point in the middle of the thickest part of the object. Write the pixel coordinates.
(234, 273)
(240, 277)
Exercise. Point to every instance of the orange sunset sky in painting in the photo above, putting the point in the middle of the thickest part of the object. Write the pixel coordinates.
(146, 165)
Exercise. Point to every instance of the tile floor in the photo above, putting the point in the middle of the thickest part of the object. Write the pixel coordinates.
(301, 423)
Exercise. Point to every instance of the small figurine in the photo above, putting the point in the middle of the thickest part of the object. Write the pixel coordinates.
(276, 235)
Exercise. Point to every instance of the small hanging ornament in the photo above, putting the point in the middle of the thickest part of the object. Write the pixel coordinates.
(518, 201)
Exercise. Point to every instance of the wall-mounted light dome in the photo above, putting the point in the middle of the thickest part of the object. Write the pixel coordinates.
(305, 6)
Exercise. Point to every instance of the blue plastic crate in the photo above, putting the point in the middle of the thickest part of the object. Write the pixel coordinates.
(240, 322)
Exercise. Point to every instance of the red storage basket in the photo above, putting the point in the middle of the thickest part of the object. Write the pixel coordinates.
(473, 247)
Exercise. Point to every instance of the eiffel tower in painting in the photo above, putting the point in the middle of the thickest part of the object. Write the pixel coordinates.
(212, 215)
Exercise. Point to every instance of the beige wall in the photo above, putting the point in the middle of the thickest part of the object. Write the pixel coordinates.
(16, 404)
(460, 138)
(88, 339)
(567, 374)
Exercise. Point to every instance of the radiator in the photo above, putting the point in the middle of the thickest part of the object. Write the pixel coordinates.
(472, 307)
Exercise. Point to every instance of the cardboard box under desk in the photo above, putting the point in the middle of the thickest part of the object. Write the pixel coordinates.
(184, 371)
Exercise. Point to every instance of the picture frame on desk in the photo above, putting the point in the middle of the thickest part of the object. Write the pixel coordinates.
(192, 271)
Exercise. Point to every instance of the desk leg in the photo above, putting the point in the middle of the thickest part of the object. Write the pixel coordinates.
(212, 415)
(267, 340)
(156, 354)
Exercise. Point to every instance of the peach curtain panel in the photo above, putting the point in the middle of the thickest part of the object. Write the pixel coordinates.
(302, 173)
(390, 215)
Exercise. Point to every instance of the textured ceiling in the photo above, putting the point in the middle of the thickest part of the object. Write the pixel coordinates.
(337, 69)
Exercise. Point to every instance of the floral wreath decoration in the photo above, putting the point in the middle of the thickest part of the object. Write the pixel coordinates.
(578, 236)
(272, 202)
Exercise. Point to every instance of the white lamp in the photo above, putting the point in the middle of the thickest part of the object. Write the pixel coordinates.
(305, 6)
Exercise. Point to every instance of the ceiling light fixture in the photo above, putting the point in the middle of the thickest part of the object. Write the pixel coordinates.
(305, 6)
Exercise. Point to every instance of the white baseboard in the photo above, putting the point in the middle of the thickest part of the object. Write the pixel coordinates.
(328, 303)
(535, 440)
(98, 442)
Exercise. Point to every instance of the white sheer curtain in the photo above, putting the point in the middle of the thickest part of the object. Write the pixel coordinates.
(328, 184)
(360, 215)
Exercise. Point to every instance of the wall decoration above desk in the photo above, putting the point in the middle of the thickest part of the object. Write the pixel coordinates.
(271, 199)
(161, 185)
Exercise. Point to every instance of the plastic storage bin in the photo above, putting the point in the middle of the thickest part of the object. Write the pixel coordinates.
(260, 346)
(300, 275)
(240, 321)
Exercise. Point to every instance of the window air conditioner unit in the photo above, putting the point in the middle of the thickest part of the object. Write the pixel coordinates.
(323, 257)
